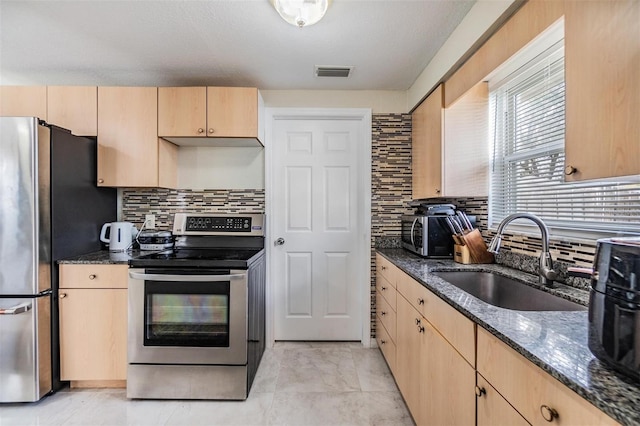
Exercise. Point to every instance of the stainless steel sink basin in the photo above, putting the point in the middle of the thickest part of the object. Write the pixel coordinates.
(506, 292)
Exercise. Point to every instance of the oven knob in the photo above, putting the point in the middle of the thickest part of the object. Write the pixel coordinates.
(279, 241)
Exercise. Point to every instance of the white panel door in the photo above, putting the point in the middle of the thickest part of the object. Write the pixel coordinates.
(315, 214)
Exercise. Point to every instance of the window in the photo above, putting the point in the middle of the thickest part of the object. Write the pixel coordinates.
(527, 172)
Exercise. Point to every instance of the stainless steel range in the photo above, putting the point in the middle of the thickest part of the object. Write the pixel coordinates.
(196, 313)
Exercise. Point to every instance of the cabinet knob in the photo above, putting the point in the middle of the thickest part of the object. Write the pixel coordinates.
(437, 190)
(418, 321)
(480, 391)
(384, 268)
(100, 180)
(62, 295)
(383, 288)
(92, 276)
(569, 170)
(383, 342)
(548, 413)
(210, 131)
(200, 130)
(420, 329)
(420, 301)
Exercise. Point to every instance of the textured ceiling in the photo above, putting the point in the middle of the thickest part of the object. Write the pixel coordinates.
(220, 42)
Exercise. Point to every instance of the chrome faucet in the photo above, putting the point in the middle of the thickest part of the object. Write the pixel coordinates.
(545, 270)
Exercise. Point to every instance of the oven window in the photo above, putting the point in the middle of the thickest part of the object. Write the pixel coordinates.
(186, 314)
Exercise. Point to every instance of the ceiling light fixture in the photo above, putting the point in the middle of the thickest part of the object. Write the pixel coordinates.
(301, 13)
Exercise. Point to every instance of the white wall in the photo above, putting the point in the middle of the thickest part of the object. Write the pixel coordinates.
(220, 168)
(380, 101)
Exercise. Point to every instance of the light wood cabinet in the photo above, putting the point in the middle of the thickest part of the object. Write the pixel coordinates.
(213, 112)
(23, 101)
(74, 108)
(386, 316)
(408, 353)
(436, 382)
(93, 324)
(129, 150)
(446, 382)
(602, 62)
(426, 146)
(531, 391)
(465, 156)
(493, 409)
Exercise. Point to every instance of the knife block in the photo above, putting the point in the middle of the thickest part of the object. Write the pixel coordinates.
(461, 254)
(471, 248)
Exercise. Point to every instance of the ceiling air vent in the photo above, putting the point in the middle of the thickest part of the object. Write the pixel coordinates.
(327, 71)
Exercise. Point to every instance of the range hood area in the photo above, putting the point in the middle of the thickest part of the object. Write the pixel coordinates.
(215, 142)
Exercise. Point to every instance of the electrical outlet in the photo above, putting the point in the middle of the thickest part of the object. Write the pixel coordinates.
(150, 221)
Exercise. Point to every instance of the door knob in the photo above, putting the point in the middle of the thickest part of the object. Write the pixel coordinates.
(279, 241)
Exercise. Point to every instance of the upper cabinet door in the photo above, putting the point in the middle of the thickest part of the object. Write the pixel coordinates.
(182, 111)
(23, 101)
(426, 146)
(128, 136)
(232, 112)
(74, 108)
(602, 64)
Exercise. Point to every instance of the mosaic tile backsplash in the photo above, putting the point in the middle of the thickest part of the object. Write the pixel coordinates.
(164, 203)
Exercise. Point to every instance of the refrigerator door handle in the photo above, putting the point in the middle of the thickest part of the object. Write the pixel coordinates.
(18, 309)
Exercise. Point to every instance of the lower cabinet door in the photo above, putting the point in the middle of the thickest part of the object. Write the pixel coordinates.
(493, 409)
(447, 383)
(408, 354)
(93, 334)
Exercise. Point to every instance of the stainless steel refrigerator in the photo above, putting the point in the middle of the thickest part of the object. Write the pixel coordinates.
(50, 209)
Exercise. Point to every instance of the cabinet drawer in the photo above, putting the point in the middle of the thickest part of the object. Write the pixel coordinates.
(386, 345)
(386, 315)
(387, 291)
(386, 269)
(529, 389)
(415, 293)
(93, 276)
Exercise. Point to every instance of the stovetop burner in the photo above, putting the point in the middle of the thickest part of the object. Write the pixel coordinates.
(203, 258)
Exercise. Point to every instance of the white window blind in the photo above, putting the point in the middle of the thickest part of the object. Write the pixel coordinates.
(527, 174)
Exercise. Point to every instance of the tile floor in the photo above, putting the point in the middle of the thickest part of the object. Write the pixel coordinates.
(297, 384)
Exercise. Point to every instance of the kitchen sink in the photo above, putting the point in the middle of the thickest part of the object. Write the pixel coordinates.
(505, 292)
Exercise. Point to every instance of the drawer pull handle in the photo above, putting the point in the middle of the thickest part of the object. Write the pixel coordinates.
(418, 321)
(420, 301)
(62, 295)
(92, 276)
(383, 313)
(420, 329)
(548, 413)
(480, 391)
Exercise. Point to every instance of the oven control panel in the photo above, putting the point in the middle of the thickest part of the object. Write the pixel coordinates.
(218, 224)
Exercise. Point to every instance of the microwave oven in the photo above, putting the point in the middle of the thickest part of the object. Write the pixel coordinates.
(427, 236)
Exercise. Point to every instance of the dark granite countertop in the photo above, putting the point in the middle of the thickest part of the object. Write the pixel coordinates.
(554, 341)
(104, 257)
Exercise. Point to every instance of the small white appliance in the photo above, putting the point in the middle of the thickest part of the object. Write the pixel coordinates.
(121, 235)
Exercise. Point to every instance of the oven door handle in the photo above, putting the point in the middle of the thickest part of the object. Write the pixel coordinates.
(189, 278)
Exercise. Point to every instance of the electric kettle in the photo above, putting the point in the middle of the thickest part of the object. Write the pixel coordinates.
(121, 235)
